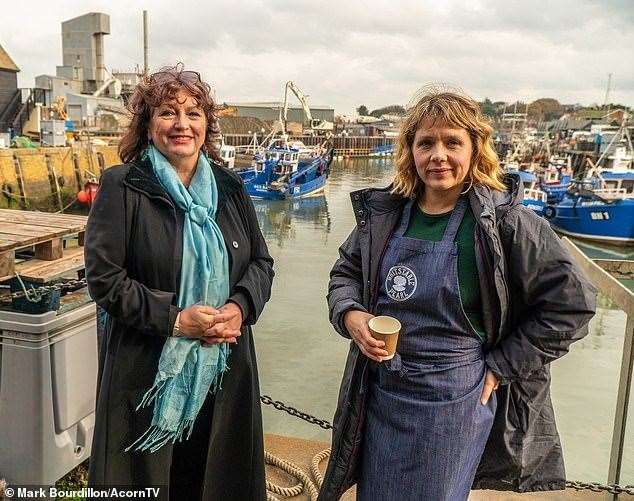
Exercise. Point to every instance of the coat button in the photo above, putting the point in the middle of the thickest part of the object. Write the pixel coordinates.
(356, 197)
(362, 223)
(235, 244)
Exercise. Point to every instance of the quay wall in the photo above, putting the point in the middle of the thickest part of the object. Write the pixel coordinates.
(49, 178)
(348, 146)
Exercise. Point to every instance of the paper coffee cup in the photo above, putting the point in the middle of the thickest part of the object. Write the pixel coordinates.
(386, 329)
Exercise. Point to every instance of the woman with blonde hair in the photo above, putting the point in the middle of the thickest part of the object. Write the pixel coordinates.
(487, 296)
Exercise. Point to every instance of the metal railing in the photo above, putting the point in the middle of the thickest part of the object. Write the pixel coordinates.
(604, 274)
(339, 143)
(24, 113)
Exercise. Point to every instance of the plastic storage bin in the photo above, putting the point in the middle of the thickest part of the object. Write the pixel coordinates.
(48, 378)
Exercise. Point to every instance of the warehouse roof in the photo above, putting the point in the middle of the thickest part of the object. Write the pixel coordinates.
(276, 105)
(6, 63)
(243, 125)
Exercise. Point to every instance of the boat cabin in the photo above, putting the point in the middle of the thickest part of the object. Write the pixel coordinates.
(228, 156)
(614, 186)
(286, 160)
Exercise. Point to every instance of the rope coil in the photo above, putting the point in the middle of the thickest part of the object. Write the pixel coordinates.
(305, 482)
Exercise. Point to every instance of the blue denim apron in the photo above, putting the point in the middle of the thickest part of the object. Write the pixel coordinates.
(425, 428)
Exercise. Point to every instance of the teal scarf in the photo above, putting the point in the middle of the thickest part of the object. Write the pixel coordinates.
(187, 371)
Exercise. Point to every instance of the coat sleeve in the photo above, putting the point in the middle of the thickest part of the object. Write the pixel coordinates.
(253, 290)
(345, 289)
(128, 301)
(551, 299)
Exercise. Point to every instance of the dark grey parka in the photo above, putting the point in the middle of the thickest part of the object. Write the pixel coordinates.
(133, 259)
(536, 302)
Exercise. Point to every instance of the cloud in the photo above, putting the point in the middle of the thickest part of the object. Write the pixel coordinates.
(347, 53)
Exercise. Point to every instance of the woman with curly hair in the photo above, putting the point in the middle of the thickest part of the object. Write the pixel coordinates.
(175, 256)
(487, 297)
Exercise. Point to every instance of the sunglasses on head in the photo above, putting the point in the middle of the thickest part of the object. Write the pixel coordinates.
(187, 76)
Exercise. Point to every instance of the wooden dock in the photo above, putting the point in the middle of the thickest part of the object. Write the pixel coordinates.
(300, 452)
(44, 233)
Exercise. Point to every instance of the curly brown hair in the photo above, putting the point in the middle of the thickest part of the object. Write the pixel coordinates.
(456, 110)
(156, 89)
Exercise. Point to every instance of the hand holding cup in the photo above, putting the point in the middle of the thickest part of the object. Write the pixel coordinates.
(387, 330)
(356, 323)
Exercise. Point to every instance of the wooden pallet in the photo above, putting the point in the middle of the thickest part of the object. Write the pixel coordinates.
(45, 232)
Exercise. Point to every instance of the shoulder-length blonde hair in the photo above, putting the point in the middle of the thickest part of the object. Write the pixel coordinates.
(157, 88)
(454, 110)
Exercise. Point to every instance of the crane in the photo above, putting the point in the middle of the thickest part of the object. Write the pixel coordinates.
(315, 124)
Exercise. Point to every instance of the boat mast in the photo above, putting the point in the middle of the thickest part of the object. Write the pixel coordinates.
(607, 91)
(145, 43)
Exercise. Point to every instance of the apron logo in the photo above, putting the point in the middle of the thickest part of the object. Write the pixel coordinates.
(400, 283)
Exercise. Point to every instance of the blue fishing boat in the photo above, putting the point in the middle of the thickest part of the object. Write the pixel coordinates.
(601, 207)
(556, 179)
(280, 172)
(598, 214)
(534, 197)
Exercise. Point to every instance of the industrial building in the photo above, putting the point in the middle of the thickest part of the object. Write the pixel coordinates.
(9, 94)
(82, 79)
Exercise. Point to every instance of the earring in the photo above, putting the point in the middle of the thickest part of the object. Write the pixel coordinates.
(468, 188)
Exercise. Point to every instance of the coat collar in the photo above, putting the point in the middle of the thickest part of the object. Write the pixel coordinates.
(485, 203)
(141, 177)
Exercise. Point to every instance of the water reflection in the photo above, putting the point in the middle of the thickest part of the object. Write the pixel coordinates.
(279, 220)
(364, 171)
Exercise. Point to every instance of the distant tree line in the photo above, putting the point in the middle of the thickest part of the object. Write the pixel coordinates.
(543, 109)
(393, 109)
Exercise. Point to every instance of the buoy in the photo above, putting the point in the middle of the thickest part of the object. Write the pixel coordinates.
(88, 194)
(82, 197)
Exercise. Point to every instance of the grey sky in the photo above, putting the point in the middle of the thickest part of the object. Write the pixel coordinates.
(346, 53)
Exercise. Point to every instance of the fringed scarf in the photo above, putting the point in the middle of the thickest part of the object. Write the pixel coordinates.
(187, 371)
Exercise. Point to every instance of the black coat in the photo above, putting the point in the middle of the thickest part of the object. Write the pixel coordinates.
(133, 258)
(535, 301)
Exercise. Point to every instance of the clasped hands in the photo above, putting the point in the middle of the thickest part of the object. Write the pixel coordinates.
(211, 325)
(356, 323)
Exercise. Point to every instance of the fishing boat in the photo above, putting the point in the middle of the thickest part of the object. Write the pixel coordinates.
(600, 209)
(283, 171)
(556, 178)
(601, 206)
(283, 168)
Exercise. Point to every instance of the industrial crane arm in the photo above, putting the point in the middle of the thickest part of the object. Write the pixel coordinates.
(302, 99)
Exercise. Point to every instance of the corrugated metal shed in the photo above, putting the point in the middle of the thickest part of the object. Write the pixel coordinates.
(6, 63)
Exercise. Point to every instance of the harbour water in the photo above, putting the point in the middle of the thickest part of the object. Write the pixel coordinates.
(301, 358)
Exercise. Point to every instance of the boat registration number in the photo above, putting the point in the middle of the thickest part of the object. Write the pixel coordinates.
(599, 215)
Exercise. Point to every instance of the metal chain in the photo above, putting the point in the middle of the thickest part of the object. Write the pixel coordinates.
(598, 487)
(280, 406)
(69, 285)
(590, 486)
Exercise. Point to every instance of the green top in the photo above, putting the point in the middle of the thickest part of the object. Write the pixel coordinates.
(432, 227)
